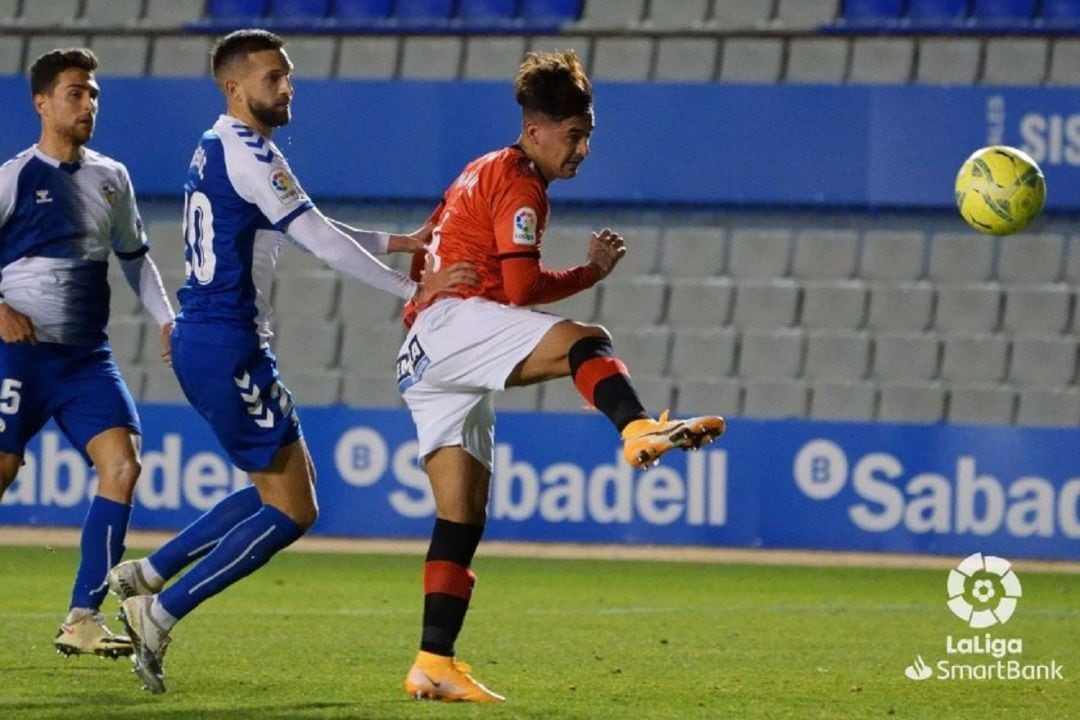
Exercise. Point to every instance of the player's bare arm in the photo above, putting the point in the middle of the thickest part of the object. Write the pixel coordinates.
(15, 327)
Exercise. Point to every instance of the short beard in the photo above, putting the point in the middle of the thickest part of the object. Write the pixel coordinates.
(271, 115)
(77, 134)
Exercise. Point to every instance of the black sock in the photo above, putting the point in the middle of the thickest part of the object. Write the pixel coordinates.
(604, 381)
(448, 584)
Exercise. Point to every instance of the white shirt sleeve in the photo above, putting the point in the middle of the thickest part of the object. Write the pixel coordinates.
(143, 277)
(376, 243)
(260, 174)
(9, 188)
(315, 232)
(128, 235)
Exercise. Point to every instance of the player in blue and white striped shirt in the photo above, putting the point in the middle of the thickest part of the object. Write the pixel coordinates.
(63, 210)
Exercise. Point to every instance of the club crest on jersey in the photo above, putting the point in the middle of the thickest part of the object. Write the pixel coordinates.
(525, 226)
(110, 192)
(283, 185)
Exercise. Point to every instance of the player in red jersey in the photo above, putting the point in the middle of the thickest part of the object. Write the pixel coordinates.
(467, 343)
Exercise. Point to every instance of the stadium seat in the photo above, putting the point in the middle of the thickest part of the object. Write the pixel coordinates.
(703, 354)
(686, 59)
(697, 397)
(1072, 261)
(360, 14)
(805, 14)
(974, 308)
(775, 399)
(537, 12)
(9, 10)
(235, 9)
(134, 377)
(937, 14)
(751, 60)
(822, 61)
(678, 14)
(317, 388)
(627, 59)
(632, 301)
(921, 403)
(307, 345)
(126, 338)
(1059, 13)
(565, 246)
(310, 296)
(1048, 408)
(578, 43)
(740, 14)
(834, 305)
(367, 58)
(431, 58)
(423, 14)
(519, 398)
(612, 13)
(842, 401)
(759, 254)
(111, 13)
(1030, 258)
(561, 396)
(1015, 61)
(180, 57)
(825, 254)
(486, 15)
(298, 12)
(579, 306)
(1064, 59)
(699, 303)
(772, 355)
(642, 248)
(362, 303)
(172, 13)
(160, 385)
(121, 55)
(1037, 309)
(312, 57)
(765, 304)
(872, 12)
(11, 53)
(1043, 361)
(892, 255)
(644, 351)
(948, 61)
(373, 392)
(493, 57)
(900, 306)
(974, 358)
(371, 348)
(881, 61)
(961, 257)
(836, 355)
(1012, 14)
(905, 356)
(981, 405)
(167, 246)
(692, 252)
(656, 393)
(51, 13)
(38, 45)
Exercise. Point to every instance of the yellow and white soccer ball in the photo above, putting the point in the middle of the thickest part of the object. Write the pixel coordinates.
(999, 190)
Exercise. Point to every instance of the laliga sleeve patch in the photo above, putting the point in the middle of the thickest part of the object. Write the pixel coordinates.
(525, 226)
(283, 185)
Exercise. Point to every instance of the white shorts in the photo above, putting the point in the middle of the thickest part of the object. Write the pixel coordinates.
(456, 355)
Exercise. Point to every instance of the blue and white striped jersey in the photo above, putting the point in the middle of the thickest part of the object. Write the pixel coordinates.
(239, 197)
(58, 222)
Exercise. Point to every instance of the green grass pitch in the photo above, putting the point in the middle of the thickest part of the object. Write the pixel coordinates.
(331, 636)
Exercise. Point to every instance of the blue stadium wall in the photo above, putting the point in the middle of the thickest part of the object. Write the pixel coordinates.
(850, 146)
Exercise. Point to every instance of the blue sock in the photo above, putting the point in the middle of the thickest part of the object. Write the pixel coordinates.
(201, 536)
(102, 547)
(248, 547)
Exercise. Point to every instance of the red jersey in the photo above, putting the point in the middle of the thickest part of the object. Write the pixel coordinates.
(493, 216)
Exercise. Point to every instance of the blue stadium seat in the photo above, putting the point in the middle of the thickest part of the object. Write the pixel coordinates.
(235, 9)
(1061, 12)
(1016, 13)
(534, 11)
(937, 13)
(872, 12)
(298, 11)
(487, 9)
(423, 12)
(361, 11)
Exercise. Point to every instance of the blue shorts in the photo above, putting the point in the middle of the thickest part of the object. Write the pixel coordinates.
(235, 386)
(78, 385)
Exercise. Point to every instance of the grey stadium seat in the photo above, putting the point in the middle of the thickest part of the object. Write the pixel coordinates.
(635, 301)
(612, 13)
(642, 249)
(692, 252)
(38, 45)
(974, 358)
(765, 304)
(740, 14)
(678, 14)
(50, 13)
(565, 246)
(11, 53)
(775, 399)
(842, 401)
(172, 13)
(367, 58)
(703, 354)
(911, 403)
(519, 398)
(1043, 362)
(895, 255)
(1072, 260)
(301, 345)
(166, 246)
(111, 13)
(805, 14)
(579, 44)
(9, 9)
(361, 303)
(760, 254)
(698, 397)
(378, 391)
(704, 303)
(312, 57)
(431, 58)
(161, 385)
(1064, 59)
(1030, 258)
(961, 257)
(905, 357)
(836, 355)
(126, 338)
(134, 377)
(751, 60)
(579, 306)
(881, 61)
(121, 55)
(180, 57)
(900, 306)
(1037, 309)
(686, 59)
(973, 308)
(821, 61)
(622, 58)
(1015, 61)
(316, 388)
(493, 58)
(947, 61)
(561, 396)
(981, 405)
(371, 349)
(309, 296)
(1049, 408)
(644, 351)
(834, 305)
(825, 254)
(771, 355)
(656, 393)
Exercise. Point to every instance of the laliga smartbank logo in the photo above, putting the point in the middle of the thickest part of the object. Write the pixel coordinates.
(983, 591)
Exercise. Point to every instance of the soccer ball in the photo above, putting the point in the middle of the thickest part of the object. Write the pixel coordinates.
(999, 190)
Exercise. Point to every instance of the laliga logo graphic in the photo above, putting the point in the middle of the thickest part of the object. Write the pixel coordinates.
(983, 590)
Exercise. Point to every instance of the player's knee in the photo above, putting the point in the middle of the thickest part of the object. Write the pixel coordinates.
(120, 476)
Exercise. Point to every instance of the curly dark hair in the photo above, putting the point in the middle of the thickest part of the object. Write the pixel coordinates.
(553, 83)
